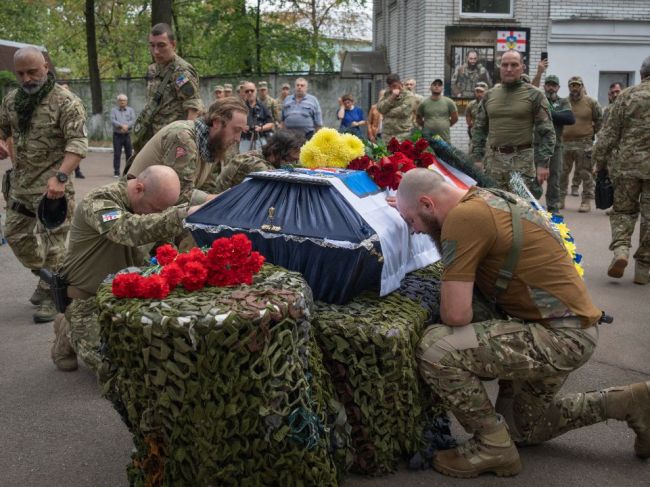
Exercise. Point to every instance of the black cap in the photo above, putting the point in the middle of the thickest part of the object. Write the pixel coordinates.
(52, 213)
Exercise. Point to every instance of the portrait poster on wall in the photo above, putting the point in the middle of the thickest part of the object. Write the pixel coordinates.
(473, 54)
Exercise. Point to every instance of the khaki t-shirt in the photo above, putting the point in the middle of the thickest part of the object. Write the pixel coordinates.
(476, 239)
(436, 115)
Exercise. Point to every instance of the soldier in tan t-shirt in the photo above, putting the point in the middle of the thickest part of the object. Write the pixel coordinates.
(578, 140)
(551, 330)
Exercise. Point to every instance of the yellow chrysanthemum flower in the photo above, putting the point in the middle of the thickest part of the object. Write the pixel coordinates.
(581, 271)
(354, 146)
(311, 157)
(325, 138)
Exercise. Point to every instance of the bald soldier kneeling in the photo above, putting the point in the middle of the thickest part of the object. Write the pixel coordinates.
(498, 242)
(108, 229)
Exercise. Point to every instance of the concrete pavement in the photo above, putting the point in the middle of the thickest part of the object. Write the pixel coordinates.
(56, 430)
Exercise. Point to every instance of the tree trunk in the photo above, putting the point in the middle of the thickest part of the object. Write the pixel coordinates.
(93, 66)
(161, 11)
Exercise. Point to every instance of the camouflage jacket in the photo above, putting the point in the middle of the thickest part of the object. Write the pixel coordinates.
(239, 167)
(495, 124)
(176, 146)
(398, 114)
(105, 235)
(180, 95)
(464, 80)
(274, 107)
(627, 130)
(472, 110)
(58, 126)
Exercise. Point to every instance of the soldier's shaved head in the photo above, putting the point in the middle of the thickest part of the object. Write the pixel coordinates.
(416, 183)
(645, 68)
(154, 190)
(29, 52)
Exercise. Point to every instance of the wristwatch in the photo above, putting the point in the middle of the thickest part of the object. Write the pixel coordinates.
(61, 177)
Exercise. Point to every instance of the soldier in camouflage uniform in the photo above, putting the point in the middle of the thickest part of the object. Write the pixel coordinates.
(510, 116)
(552, 330)
(562, 115)
(48, 126)
(466, 77)
(269, 102)
(281, 149)
(578, 140)
(627, 131)
(180, 98)
(196, 149)
(109, 226)
(396, 107)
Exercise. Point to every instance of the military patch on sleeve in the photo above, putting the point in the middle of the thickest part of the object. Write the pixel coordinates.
(448, 252)
(111, 215)
(180, 152)
(187, 89)
(181, 80)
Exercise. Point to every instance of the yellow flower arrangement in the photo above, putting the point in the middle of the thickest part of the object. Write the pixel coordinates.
(567, 239)
(328, 148)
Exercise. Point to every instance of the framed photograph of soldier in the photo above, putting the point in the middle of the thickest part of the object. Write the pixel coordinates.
(473, 54)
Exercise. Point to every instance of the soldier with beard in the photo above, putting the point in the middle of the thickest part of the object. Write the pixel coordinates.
(48, 126)
(515, 257)
(466, 77)
(196, 149)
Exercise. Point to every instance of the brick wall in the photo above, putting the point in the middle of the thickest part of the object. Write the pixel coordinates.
(600, 9)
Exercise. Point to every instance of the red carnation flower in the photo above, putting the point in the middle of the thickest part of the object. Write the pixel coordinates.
(407, 166)
(241, 244)
(393, 145)
(182, 260)
(165, 254)
(197, 255)
(127, 285)
(425, 159)
(173, 274)
(421, 145)
(195, 276)
(154, 287)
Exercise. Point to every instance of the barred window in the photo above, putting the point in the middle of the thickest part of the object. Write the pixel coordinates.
(486, 8)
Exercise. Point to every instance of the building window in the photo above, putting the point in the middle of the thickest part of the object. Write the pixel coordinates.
(486, 8)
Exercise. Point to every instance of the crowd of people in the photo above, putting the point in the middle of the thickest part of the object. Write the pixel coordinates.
(544, 322)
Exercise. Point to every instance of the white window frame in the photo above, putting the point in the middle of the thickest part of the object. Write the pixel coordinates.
(477, 15)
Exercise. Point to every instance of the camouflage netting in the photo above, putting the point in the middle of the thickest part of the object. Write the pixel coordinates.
(369, 348)
(224, 388)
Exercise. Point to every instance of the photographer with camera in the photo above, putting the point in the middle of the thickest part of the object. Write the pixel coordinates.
(260, 121)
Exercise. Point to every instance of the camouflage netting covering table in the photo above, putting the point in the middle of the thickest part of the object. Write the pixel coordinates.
(369, 348)
(224, 386)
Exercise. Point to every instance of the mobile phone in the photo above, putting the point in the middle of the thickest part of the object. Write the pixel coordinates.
(544, 55)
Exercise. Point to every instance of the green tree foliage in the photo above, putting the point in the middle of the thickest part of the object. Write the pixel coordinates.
(217, 36)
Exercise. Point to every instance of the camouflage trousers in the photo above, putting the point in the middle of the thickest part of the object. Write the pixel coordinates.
(82, 329)
(553, 181)
(34, 245)
(578, 153)
(631, 199)
(533, 362)
(500, 167)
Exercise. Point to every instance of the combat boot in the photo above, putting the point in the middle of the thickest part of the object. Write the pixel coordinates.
(619, 262)
(63, 355)
(45, 312)
(575, 191)
(585, 206)
(40, 293)
(632, 404)
(641, 273)
(488, 451)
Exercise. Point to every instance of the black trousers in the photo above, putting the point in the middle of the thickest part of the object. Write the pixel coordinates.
(119, 141)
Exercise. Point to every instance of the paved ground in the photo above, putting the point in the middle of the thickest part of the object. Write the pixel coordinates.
(56, 430)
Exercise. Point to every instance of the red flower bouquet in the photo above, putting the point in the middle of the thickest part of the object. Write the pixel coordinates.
(228, 262)
(388, 170)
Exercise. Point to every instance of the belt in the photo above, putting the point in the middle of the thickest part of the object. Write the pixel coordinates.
(509, 149)
(571, 322)
(21, 208)
(76, 293)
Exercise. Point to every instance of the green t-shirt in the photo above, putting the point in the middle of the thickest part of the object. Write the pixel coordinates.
(436, 115)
